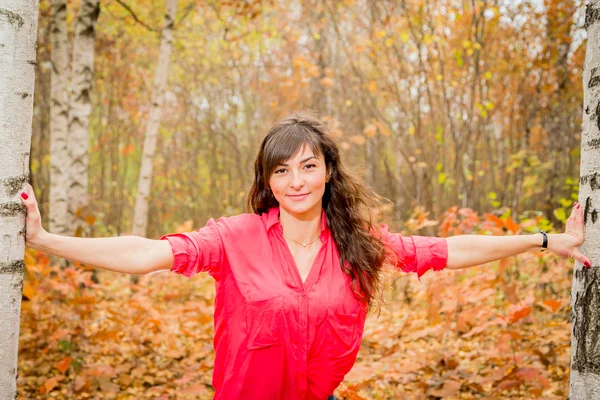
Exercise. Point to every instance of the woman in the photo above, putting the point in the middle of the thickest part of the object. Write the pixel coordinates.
(295, 276)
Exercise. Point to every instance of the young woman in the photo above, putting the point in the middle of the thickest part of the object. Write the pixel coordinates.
(296, 275)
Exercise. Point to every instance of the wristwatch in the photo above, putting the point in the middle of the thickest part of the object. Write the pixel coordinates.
(545, 243)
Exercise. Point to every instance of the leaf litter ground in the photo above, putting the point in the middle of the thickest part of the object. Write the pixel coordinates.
(494, 331)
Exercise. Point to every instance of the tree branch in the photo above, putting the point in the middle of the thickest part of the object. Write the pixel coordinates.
(135, 17)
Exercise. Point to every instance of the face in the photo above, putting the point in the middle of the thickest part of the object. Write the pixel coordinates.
(299, 184)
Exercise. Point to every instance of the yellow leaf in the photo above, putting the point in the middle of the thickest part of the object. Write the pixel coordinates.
(439, 77)
(348, 103)
(404, 37)
(411, 130)
(381, 34)
(28, 290)
(317, 36)
(372, 86)
(488, 75)
(389, 42)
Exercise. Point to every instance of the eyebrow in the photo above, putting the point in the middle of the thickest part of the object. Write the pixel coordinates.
(303, 161)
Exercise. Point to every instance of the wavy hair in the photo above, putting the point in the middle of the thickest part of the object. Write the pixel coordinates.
(347, 201)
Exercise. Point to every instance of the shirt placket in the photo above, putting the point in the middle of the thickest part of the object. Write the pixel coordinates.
(303, 350)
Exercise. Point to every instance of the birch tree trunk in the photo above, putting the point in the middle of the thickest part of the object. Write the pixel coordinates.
(79, 112)
(18, 36)
(140, 216)
(585, 295)
(59, 106)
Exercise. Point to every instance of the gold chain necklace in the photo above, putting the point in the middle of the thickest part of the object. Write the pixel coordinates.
(303, 244)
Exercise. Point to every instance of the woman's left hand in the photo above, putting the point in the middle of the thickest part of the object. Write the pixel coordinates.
(567, 244)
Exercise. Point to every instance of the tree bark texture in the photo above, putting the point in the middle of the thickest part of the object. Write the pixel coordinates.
(79, 111)
(585, 295)
(59, 107)
(18, 36)
(140, 217)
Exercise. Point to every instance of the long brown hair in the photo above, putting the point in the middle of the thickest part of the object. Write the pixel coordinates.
(347, 201)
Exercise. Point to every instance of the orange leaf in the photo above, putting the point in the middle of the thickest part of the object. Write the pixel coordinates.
(80, 383)
(101, 370)
(63, 364)
(511, 225)
(552, 305)
(50, 384)
(503, 265)
(519, 313)
(106, 335)
(370, 130)
(494, 219)
(382, 128)
(28, 290)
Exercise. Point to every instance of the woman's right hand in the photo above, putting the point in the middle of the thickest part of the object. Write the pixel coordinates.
(33, 221)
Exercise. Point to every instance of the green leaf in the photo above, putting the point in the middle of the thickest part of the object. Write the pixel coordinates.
(65, 345)
(566, 202)
(560, 214)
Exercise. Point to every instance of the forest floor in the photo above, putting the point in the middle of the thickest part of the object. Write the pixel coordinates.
(494, 331)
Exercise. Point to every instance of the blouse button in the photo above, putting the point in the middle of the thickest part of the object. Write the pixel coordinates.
(303, 294)
(303, 323)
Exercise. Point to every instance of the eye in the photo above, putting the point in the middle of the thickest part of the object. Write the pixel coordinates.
(279, 171)
(310, 166)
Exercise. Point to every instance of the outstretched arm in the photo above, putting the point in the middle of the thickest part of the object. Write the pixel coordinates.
(128, 254)
(469, 250)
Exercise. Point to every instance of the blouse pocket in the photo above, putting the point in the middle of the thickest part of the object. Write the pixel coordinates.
(264, 320)
(341, 332)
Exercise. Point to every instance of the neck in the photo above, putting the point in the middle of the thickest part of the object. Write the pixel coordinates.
(303, 227)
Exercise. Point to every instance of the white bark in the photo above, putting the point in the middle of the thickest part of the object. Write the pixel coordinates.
(585, 295)
(140, 217)
(59, 106)
(80, 109)
(18, 35)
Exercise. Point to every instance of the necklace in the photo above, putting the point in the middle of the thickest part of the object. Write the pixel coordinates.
(303, 244)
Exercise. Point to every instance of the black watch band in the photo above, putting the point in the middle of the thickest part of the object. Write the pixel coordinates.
(545, 243)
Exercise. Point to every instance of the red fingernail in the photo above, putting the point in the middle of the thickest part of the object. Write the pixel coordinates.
(575, 204)
(24, 196)
(587, 264)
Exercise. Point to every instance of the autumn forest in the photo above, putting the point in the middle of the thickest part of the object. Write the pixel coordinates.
(465, 116)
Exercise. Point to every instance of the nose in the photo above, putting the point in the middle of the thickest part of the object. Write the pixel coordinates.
(297, 182)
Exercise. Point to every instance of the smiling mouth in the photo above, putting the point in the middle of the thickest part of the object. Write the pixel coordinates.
(298, 195)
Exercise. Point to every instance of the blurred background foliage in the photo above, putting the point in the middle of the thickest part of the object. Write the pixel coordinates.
(437, 103)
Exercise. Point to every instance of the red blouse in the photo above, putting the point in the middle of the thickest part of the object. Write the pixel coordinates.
(276, 337)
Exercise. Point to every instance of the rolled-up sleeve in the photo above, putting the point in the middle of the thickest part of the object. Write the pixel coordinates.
(416, 253)
(200, 251)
